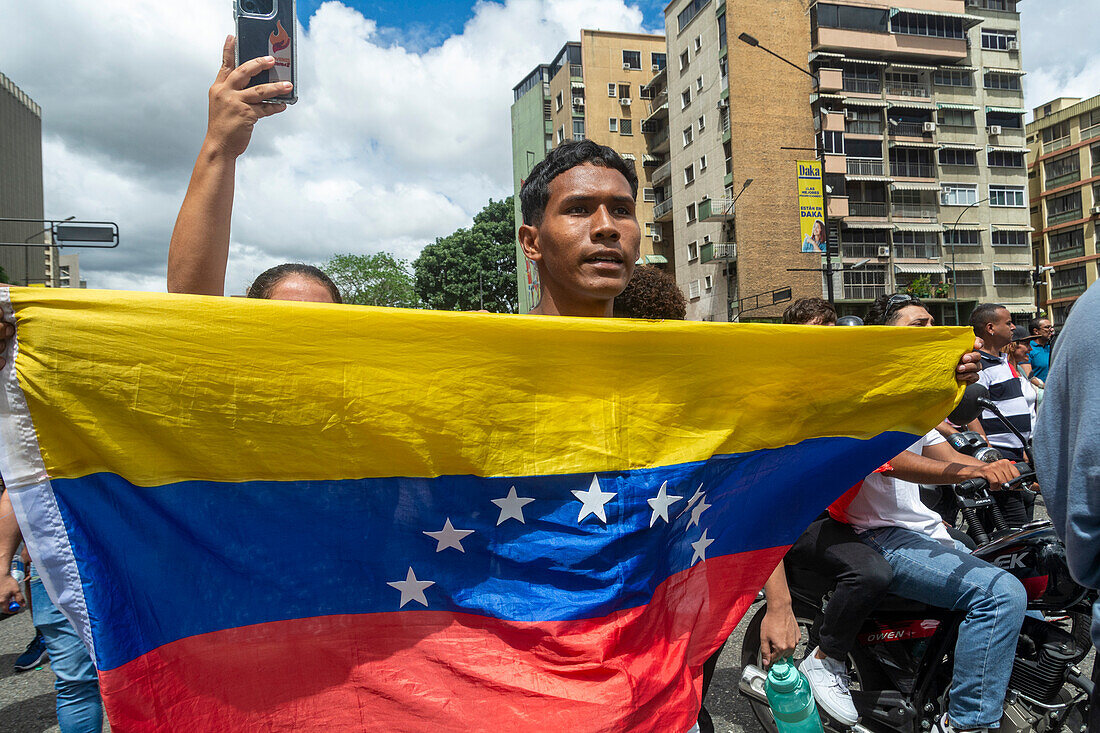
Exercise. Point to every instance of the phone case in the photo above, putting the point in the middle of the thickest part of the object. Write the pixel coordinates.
(268, 28)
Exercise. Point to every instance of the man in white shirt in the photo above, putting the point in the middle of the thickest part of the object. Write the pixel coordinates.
(929, 566)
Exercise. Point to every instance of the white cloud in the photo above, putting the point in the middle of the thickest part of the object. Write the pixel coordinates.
(386, 150)
(1059, 49)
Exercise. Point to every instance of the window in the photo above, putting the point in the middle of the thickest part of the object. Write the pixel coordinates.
(684, 61)
(578, 128)
(967, 277)
(649, 229)
(693, 290)
(693, 251)
(702, 163)
(699, 84)
(1005, 159)
(1006, 196)
(866, 282)
(1009, 239)
(648, 195)
(698, 43)
(1056, 132)
(911, 163)
(996, 80)
(1008, 6)
(685, 98)
(916, 245)
(1071, 278)
(611, 89)
(1062, 168)
(957, 156)
(632, 59)
(962, 238)
(645, 92)
(689, 175)
(561, 134)
(1067, 243)
(953, 78)
(708, 283)
(1008, 120)
(849, 16)
(955, 118)
(657, 59)
(690, 213)
(1064, 208)
(1011, 278)
(702, 122)
(688, 14)
(613, 124)
(833, 142)
(958, 194)
(626, 127)
(995, 40)
(687, 136)
(624, 91)
(935, 26)
(560, 101)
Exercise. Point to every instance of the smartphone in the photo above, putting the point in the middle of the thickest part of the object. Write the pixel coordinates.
(267, 28)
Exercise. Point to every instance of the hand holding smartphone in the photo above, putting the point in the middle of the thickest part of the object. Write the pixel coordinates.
(267, 28)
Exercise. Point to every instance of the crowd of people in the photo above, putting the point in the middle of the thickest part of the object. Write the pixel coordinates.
(581, 230)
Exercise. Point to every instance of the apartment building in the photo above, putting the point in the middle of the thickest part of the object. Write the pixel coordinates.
(20, 183)
(597, 88)
(921, 109)
(1064, 183)
(62, 270)
(735, 114)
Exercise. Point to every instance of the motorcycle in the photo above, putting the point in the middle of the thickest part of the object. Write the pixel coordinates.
(902, 663)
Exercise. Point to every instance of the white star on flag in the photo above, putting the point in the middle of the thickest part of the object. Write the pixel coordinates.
(412, 589)
(511, 507)
(592, 501)
(700, 547)
(449, 537)
(697, 512)
(661, 503)
(691, 502)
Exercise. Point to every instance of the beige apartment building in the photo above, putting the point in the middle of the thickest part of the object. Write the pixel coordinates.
(1064, 183)
(919, 111)
(597, 88)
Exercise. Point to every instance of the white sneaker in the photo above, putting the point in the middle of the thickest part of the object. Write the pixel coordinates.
(829, 680)
(943, 725)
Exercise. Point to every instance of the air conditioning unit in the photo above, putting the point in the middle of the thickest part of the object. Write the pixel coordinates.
(850, 114)
(626, 65)
(723, 103)
(656, 237)
(624, 101)
(656, 67)
(578, 101)
(993, 129)
(1013, 45)
(884, 251)
(1094, 210)
(929, 127)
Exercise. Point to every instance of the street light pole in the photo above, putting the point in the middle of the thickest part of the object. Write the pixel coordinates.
(819, 150)
(954, 246)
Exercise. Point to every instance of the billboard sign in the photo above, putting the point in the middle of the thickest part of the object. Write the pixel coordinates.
(811, 206)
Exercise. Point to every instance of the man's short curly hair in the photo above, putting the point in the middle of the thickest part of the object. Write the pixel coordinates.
(651, 293)
(810, 312)
(535, 191)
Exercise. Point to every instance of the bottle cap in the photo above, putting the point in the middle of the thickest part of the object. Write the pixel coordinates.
(783, 676)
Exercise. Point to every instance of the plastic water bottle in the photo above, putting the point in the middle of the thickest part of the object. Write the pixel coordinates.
(19, 572)
(791, 699)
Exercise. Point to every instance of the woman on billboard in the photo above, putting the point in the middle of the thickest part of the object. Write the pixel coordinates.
(815, 240)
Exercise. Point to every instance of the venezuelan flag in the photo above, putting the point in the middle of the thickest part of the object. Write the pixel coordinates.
(304, 517)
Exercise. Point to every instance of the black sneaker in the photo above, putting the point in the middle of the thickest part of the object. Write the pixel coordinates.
(35, 654)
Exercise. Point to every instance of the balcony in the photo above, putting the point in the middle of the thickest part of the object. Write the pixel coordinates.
(662, 174)
(576, 71)
(1067, 291)
(1067, 254)
(926, 212)
(1053, 145)
(718, 252)
(836, 207)
(907, 91)
(866, 167)
(907, 129)
(862, 86)
(1065, 216)
(912, 170)
(866, 208)
(863, 127)
(1090, 132)
(717, 209)
(662, 211)
(1063, 179)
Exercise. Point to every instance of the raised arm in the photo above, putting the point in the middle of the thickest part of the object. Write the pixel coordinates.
(199, 250)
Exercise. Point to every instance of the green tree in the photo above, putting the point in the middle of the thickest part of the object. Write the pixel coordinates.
(3, 276)
(472, 268)
(379, 279)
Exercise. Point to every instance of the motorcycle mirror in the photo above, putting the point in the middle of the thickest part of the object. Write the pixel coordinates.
(968, 407)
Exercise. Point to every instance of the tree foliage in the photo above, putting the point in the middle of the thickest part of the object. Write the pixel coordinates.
(473, 268)
(3, 276)
(379, 279)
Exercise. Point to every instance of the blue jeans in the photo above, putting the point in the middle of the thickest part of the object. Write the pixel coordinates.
(994, 601)
(79, 708)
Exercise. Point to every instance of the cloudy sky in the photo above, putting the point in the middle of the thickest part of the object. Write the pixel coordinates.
(402, 133)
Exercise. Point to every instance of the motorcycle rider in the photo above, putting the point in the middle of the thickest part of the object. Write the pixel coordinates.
(929, 566)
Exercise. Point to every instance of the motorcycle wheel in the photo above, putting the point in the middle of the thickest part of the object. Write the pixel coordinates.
(750, 654)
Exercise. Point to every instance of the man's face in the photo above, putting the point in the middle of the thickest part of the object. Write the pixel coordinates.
(1000, 329)
(1045, 330)
(589, 237)
(913, 315)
